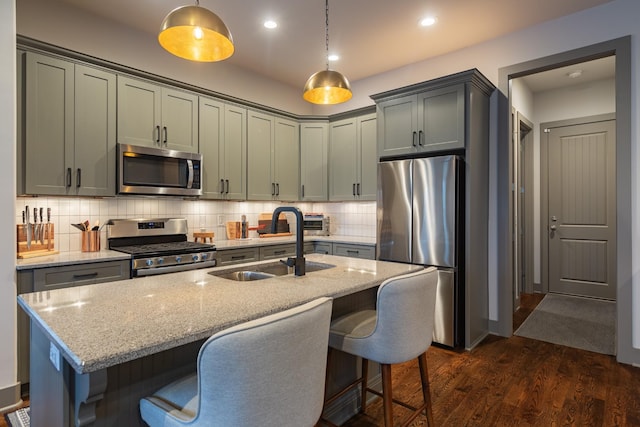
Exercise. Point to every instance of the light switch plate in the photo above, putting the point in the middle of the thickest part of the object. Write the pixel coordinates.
(220, 220)
(54, 356)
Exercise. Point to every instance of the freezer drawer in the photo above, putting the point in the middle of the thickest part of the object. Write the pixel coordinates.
(444, 326)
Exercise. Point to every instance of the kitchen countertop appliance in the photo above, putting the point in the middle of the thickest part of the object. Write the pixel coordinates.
(316, 224)
(158, 245)
(420, 211)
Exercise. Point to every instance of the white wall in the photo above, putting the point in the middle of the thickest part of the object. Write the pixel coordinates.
(8, 367)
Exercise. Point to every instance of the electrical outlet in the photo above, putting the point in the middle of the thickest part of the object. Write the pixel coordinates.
(54, 356)
(220, 220)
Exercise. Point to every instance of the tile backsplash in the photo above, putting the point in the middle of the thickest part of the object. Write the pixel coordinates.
(347, 218)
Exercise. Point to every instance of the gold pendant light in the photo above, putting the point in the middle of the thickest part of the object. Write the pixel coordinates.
(327, 86)
(197, 34)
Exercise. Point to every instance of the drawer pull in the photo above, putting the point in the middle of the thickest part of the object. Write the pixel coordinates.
(85, 276)
(281, 252)
(351, 251)
(236, 257)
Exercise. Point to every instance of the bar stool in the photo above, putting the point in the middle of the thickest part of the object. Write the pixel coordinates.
(399, 330)
(267, 372)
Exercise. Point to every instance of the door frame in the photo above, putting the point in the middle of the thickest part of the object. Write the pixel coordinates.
(621, 48)
(544, 186)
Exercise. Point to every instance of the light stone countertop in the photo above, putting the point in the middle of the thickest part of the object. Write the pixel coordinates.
(71, 258)
(102, 325)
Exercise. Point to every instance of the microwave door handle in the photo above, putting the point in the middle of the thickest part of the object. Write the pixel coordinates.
(190, 175)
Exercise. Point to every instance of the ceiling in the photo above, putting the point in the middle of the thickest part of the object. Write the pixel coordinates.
(371, 36)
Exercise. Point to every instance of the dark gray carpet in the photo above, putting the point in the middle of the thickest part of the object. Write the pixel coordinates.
(585, 323)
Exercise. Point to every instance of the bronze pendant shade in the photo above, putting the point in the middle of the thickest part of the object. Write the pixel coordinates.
(196, 34)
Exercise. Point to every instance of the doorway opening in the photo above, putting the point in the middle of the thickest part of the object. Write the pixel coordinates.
(512, 256)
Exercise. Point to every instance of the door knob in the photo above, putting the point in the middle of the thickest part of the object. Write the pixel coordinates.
(553, 227)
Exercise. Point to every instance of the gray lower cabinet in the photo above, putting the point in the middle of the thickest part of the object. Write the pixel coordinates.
(273, 159)
(353, 159)
(49, 278)
(237, 256)
(157, 116)
(314, 168)
(223, 145)
(277, 251)
(354, 250)
(322, 248)
(428, 121)
(68, 144)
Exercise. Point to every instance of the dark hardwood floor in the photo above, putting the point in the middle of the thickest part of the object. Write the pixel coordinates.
(516, 382)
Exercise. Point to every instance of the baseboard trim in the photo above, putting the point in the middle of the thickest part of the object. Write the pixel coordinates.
(10, 398)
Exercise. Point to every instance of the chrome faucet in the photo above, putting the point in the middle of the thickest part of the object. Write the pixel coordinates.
(298, 262)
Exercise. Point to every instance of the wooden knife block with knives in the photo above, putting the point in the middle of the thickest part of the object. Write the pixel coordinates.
(35, 238)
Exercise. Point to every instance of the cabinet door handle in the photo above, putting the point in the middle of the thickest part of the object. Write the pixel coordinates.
(221, 186)
(166, 135)
(353, 189)
(420, 138)
(227, 182)
(78, 178)
(413, 138)
(277, 188)
(358, 189)
(273, 188)
(85, 276)
(302, 190)
(158, 134)
(68, 177)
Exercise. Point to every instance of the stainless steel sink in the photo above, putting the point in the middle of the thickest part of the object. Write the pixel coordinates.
(244, 275)
(265, 271)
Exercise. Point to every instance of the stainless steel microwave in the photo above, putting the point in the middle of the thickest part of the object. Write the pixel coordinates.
(150, 170)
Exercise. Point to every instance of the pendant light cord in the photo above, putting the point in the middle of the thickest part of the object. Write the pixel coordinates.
(326, 31)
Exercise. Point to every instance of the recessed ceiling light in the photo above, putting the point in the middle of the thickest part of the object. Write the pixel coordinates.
(270, 24)
(333, 57)
(428, 21)
(574, 74)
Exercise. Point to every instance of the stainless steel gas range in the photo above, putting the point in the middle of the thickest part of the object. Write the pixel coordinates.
(158, 245)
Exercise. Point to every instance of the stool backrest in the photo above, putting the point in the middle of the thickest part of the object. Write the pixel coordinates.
(267, 372)
(405, 316)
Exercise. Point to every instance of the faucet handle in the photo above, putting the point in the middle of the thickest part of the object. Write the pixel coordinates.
(289, 262)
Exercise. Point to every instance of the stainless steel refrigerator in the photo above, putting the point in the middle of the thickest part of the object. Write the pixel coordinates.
(419, 210)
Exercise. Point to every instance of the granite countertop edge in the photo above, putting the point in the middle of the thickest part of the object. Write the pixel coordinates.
(81, 334)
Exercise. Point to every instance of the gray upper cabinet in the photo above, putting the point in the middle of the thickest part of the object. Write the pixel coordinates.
(273, 158)
(314, 152)
(353, 159)
(429, 121)
(69, 128)
(223, 144)
(156, 116)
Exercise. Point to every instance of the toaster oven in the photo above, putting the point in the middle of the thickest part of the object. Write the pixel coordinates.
(316, 225)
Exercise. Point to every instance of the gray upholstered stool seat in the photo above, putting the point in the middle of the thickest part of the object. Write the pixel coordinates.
(400, 329)
(266, 372)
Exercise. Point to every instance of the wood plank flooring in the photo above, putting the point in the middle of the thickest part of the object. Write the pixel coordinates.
(516, 382)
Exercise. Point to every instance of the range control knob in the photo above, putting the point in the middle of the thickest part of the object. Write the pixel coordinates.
(178, 259)
(160, 260)
(149, 262)
(194, 258)
(204, 256)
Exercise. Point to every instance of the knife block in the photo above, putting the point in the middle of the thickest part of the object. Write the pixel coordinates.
(37, 247)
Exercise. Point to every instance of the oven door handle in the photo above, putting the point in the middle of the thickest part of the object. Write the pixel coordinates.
(190, 175)
(174, 268)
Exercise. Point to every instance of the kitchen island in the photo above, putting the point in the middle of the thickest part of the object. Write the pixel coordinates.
(97, 349)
